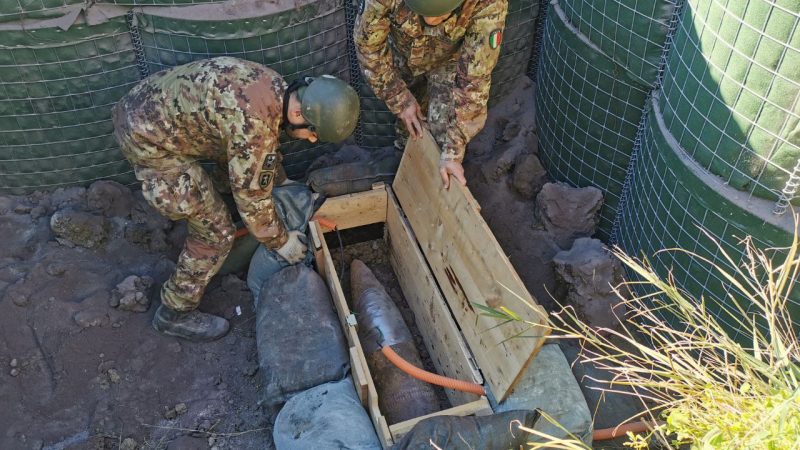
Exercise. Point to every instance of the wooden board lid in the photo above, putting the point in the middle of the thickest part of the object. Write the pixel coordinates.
(470, 267)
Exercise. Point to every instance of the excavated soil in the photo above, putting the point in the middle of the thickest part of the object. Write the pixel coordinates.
(76, 373)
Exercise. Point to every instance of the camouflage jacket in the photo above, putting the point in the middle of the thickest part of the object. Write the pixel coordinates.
(222, 109)
(388, 35)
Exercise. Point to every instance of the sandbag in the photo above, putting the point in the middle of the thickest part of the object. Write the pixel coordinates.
(295, 205)
(353, 177)
(494, 432)
(299, 339)
(329, 416)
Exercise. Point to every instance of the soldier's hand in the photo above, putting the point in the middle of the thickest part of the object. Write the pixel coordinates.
(294, 250)
(454, 168)
(413, 118)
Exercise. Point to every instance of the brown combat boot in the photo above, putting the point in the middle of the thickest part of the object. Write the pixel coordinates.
(191, 325)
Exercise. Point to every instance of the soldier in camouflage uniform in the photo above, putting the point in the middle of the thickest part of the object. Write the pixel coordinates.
(435, 52)
(229, 111)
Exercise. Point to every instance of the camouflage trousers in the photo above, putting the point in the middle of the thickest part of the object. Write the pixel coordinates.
(188, 193)
(434, 93)
(180, 189)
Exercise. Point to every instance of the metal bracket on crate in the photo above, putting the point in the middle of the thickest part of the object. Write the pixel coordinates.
(351, 320)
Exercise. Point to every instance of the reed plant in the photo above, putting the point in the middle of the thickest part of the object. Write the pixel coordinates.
(714, 373)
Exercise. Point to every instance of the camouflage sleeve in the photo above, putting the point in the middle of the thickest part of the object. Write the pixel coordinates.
(252, 164)
(371, 37)
(478, 57)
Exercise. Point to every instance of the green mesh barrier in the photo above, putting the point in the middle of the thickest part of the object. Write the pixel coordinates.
(731, 91)
(377, 121)
(588, 110)
(56, 93)
(11, 10)
(159, 2)
(309, 40)
(668, 204)
(632, 33)
(516, 48)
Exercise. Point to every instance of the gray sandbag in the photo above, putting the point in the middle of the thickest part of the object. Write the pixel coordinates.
(294, 204)
(299, 339)
(353, 177)
(329, 416)
(494, 432)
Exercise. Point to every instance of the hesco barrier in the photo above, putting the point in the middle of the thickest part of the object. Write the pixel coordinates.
(56, 92)
(306, 38)
(309, 40)
(632, 33)
(671, 199)
(588, 109)
(518, 43)
(732, 91)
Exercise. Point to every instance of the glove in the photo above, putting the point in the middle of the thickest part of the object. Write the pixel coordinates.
(294, 250)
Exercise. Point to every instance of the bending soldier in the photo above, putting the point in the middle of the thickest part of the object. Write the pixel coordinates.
(435, 52)
(230, 111)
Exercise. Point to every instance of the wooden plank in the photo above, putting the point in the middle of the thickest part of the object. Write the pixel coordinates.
(480, 407)
(358, 361)
(355, 210)
(431, 314)
(328, 271)
(359, 377)
(470, 267)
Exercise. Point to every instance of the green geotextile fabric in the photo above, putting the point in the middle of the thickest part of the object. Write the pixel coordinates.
(632, 33)
(668, 204)
(516, 48)
(160, 2)
(732, 90)
(588, 110)
(56, 92)
(34, 9)
(310, 40)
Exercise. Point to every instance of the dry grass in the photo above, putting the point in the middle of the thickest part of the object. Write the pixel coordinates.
(711, 391)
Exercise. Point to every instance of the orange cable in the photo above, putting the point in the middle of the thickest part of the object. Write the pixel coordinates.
(429, 377)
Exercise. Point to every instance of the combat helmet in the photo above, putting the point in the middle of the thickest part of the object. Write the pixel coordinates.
(433, 8)
(330, 106)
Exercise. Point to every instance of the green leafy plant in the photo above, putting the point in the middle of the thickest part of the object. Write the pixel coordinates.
(706, 387)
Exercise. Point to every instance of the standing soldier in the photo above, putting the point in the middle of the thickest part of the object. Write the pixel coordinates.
(440, 51)
(230, 111)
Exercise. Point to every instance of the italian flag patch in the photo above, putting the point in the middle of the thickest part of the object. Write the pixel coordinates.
(495, 39)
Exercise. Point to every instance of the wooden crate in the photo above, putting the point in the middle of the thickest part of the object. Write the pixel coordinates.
(446, 261)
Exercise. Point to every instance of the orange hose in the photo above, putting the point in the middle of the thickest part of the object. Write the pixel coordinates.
(606, 434)
(329, 224)
(428, 377)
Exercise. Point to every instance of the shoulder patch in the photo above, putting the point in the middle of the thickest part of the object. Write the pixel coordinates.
(495, 38)
(264, 179)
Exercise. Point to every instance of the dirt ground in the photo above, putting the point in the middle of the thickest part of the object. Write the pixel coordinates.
(76, 373)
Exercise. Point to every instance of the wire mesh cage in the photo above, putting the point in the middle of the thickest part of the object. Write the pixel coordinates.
(632, 33)
(588, 113)
(672, 202)
(732, 91)
(517, 47)
(12, 10)
(57, 89)
(309, 40)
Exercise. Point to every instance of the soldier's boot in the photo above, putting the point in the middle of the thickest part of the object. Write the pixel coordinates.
(191, 325)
